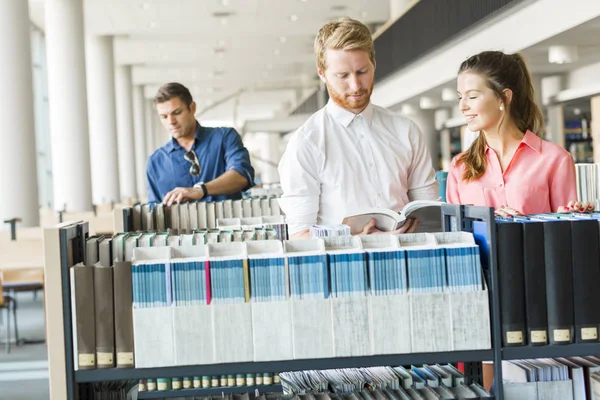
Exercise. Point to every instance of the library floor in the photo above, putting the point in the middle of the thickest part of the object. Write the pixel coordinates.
(24, 372)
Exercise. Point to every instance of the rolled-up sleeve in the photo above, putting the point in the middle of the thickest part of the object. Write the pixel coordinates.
(237, 157)
(421, 177)
(563, 185)
(300, 182)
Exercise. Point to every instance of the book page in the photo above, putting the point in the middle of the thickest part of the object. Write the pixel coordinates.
(429, 214)
(385, 220)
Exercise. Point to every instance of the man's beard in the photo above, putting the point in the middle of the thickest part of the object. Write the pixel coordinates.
(344, 100)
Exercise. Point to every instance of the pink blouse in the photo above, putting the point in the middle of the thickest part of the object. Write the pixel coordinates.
(539, 178)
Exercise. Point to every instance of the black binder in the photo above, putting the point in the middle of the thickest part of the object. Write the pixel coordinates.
(559, 281)
(585, 236)
(512, 282)
(536, 314)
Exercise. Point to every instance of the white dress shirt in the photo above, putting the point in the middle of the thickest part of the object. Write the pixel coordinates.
(339, 162)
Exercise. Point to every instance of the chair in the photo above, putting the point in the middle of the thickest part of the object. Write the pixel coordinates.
(6, 303)
(21, 280)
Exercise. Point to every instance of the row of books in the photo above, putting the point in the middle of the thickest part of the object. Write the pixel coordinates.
(397, 383)
(207, 382)
(573, 378)
(588, 183)
(334, 297)
(107, 249)
(192, 215)
(303, 299)
(269, 270)
(549, 274)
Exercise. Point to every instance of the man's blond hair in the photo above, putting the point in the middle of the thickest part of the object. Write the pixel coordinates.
(343, 34)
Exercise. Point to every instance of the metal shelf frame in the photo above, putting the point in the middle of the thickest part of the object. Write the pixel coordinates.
(478, 220)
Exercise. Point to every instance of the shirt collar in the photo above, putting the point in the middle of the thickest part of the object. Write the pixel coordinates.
(345, 117)
(172, 144)
(530, 139)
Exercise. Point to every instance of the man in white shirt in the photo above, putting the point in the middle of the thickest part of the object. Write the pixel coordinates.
(351, 154)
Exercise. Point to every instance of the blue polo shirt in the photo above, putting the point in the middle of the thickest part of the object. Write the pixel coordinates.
(218, 150)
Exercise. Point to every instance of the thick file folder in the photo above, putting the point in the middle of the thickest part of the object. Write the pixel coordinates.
(536, 314)
(82, 308)
(586, 279)
(512, 283)
(559, 281)
(104, 316)
(123, 303)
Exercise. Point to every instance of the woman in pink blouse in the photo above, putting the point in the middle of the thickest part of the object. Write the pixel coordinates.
(508, 167)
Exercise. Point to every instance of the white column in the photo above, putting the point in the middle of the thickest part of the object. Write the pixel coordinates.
(555, 125)
(18, 168)
(425, 120)
(152, 141)
(103, 120)
(126, 153)
(595, 115)
(270, 154)
(68, 105)
(141, 150)
(161, 135)
(397, 8)
(154, 129)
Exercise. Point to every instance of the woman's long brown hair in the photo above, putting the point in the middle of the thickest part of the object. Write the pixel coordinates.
(501, 71)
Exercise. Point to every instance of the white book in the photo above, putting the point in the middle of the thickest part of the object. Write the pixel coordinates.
(428, 212)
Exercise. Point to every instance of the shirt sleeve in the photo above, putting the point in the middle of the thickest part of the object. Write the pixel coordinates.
(452, 194)
(153, 192)
(237, 157)
(421, 176)
(300, 182)
(563, 184)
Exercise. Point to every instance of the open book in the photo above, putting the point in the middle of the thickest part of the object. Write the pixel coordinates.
(428, 212)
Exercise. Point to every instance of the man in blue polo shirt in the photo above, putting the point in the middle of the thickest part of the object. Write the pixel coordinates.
(198, 162)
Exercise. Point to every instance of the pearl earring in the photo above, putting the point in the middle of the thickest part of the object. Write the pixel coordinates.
(501, 108)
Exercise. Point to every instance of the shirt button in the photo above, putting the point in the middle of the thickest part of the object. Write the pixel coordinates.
(371, 164)
(502, 184)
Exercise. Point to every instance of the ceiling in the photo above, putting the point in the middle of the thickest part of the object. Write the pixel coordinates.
(586, 37)
(262, 49)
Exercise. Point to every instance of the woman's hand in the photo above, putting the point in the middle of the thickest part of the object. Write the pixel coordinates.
(576, 206)
(505, 211)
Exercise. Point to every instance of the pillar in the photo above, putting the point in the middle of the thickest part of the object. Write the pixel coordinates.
(425, 120)
(270, 154)
(595, 127)
(141, 150)
(152, 141)
(68, 105)
(124, 102)
(555, 124)
(102, 119)
(18, 167)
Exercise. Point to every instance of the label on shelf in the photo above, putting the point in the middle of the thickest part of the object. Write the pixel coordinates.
(539, 336)
(105, 358)
(562, 335)
(514, 337)
(589, 333)
(124, 358)
(87, 360)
